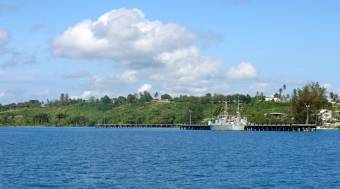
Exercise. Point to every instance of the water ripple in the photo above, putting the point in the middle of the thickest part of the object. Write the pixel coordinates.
(167, 158)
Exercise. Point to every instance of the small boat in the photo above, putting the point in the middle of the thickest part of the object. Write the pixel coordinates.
(227, 122)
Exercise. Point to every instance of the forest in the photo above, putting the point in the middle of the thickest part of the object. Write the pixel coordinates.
(165, 109)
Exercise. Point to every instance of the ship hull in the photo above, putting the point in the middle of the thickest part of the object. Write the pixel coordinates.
(227, 127)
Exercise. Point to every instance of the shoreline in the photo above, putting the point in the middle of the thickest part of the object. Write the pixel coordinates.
(42, 126)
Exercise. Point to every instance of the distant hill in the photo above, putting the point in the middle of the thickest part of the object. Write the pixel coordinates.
(138, 109)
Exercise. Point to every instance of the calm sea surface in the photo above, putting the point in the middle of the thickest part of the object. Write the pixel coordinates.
(167, 158)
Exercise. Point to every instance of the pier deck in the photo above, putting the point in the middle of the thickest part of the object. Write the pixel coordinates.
(250, 127)
(136, 125)
(283, 127)
(180, 126)
(194, 127)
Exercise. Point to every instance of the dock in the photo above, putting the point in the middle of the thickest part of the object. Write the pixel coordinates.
(249, 127)
(281, 127)
(180, 126)
(193, 127)
(132, 125)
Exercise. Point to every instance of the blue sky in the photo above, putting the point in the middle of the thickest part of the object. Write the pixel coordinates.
(221, 46)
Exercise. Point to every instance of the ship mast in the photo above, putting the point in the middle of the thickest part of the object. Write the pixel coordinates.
(225, 108)
(238, 108)
(238, 104)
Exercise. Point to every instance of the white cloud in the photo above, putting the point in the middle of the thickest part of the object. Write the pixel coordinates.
(145, 87)
(129, 76)
(165, 53)
(4, 36)
(88, 94)
(124, 35)
(242, 71)
(186, 71)
(186, 65)
(92, 93)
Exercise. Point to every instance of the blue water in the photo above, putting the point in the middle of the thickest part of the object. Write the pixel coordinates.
(167, 158)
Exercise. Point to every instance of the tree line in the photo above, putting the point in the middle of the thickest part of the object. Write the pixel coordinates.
(146, 108)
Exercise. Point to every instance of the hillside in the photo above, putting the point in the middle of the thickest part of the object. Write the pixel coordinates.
(91, 112)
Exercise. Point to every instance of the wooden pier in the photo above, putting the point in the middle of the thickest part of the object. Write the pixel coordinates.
(283, 127)
(136, 126)
(180, 126)
(249, 127)
(194, 127)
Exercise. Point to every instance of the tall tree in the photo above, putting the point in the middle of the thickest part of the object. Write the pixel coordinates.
(166, 96)
(105, 103)
(120, 100)
(62, 98)
(145, 96)
(308, 100)
(156, 95)
(131, 98)
(280, 92)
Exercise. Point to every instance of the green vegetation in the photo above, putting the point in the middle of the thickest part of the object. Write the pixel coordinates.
(143, 108)
(134, 108)
(308, 101)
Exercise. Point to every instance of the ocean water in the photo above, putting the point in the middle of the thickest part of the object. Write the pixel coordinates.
(167, 158)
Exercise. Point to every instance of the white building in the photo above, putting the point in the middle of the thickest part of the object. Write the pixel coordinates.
(272, 99)
(164, 101)
(326, 116)
(277, 115)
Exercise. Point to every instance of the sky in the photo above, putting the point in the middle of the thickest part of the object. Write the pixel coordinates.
(116, 47)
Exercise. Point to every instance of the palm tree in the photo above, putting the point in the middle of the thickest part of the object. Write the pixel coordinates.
(156, 95)
(331, 95)
(280, 92)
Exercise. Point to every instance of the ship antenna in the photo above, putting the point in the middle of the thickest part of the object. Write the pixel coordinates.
(225, 108)
(238, 106)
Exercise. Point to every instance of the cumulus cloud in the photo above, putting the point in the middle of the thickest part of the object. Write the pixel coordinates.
(186, 65)
(145, 87)
(163, 52)
(129, 76)
(242, 71)
(90, 93)
(124, 35)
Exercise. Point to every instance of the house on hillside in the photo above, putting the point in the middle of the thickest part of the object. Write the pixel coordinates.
(326, 116)
(272, 99)
(164, 101)
(277, 115)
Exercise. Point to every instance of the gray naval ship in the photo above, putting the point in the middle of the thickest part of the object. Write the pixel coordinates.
(227, 122)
